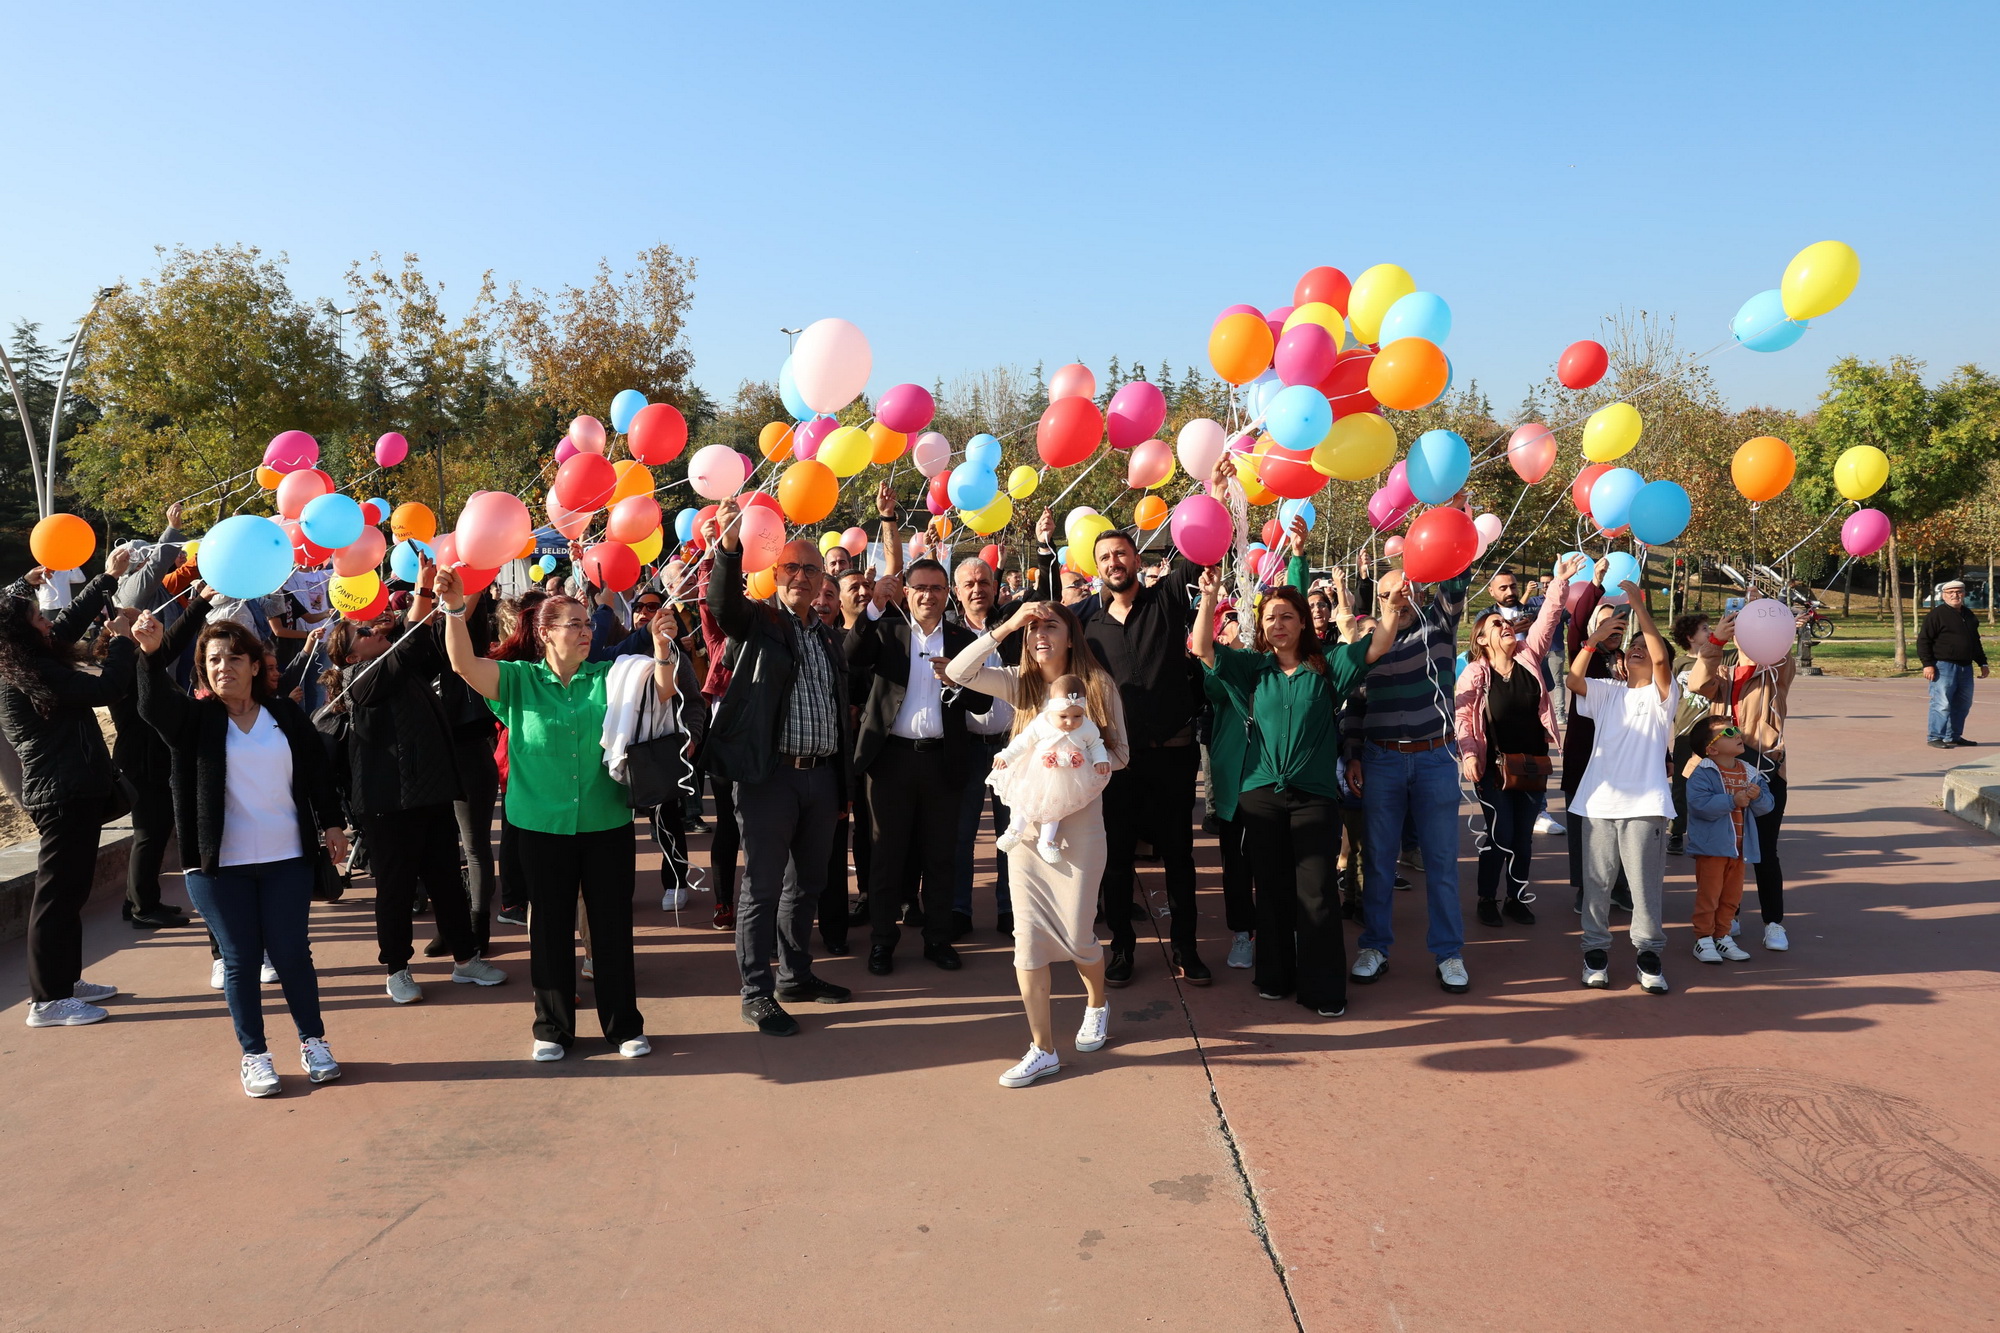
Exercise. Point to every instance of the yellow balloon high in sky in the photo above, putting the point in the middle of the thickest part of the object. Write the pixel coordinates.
(1359, 445)
(1861, 471)
(1818, 279)
(1611, 432)
(1322, 314)
(1374, 292)
(847, 451)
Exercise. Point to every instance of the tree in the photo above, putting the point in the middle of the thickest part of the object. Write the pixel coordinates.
(36, 367)
(621, 332)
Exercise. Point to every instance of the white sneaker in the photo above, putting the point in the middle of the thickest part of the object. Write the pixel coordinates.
(317, 1060)
(1597, 969)
(476, 972)
(1035, 1064)
(269, 975)
(1731, 950)
(1548, 827)
(259, 1078)
(589, 971)
(1096, 1023)
(92, 993)
(673, 900)
(1369, 964)
(1653, 983)
(1242, 951)
(1452, 976)
(548, 1050)
(1774, 938)
(1735, 926)
(67, 1012)
(633, 1049)
(1006, 842)
(1704, 951)
(1050, 852)
(215, 977)
(403, 987)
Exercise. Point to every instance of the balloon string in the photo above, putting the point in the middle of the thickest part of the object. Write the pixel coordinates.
(1815, 532)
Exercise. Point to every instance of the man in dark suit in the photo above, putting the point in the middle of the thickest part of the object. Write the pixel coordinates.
(910, 746)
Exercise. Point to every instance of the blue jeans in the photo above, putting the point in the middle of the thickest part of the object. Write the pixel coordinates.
(1421, 789)
(977, 795)
(1951, 700)
(254, 910)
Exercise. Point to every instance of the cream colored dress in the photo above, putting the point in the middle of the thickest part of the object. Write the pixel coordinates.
(1054, 906)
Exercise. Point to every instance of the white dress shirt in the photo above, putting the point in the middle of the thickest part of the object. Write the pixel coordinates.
(921, 718)
(998, 719)
(259, 821)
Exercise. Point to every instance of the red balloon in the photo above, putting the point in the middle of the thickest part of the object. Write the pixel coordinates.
(657, 434)
(305, 554)
(297, 489)
(1579, 490)
(1290, 473)
(697, 541)
(373, 609)
(584, 484)
(938, 499)
(612, 565)
(991, 555)
(475, 580)
(748, 498)
(1583, 364)
(1323, 284)
(1346, 388)
(1068, 432)
(1441, 544)
(1273, 533)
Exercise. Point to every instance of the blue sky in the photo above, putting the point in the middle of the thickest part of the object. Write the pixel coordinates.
(1005, 184)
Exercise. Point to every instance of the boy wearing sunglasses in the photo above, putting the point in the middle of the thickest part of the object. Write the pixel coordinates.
(1724, 796)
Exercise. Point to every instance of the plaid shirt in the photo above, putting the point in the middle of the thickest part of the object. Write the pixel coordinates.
(812, 724)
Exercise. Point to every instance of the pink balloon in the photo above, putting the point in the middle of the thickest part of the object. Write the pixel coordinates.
(587, 434)
(391, 449)
(807, 439)
(291, 450)
(492, 529)
(1150, 464)
(906, 408)
(716, 472)
(935, 505)
(1072, 381)
(360, 555)
(565, 451)
(763, 537)
(1246, 443)
(1271, 567)
(1202, 529)
(932, 453)
(569, 522)
(1531, 451)
(1305, 355)
(1137, 410)
(1865, 532)
(1398, 487)
(1239, 310)
(298, 488)
(1199, 447)
(1385, 513)
(1488, 526)
(1392, 547)
(830, 364)
(855, 540)
(1276, 319)
(1766, 631)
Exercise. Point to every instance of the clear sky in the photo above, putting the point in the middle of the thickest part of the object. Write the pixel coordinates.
(978, 185)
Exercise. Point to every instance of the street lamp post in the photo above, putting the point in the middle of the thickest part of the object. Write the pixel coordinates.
(48, 495)
(791, 337)
(27, 428)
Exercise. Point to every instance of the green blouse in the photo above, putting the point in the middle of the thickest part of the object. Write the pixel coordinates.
(556, 779)
(1275, 730)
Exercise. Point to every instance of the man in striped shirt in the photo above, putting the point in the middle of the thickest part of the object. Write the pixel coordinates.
(1397, 736)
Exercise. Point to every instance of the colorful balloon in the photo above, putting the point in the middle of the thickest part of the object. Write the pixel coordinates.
(1202, 529)
(788, 393)
(269, 477)
(1377, 289)
(404, 558)
(716, 472)
(1240, 347)
(1291, 509)
(1761, 325)
(932, 454)
(1299, 417)
(972, 486)
(297, 489)
(808, 491)
(626, 405)
(290, 450)
(830, 364)
(631, 520)
(569, 522)
(657, 434)
(375, 511)
(1386, 512)
(391, 449)
(1418, 315)
(363, 553)
(905, 408)
(846, 450)
(1489, 527)
(587, 434)
(1324, 284)
(245, 556)
(1288, 472)
(565, 451)
(1531, 451)
(1346, 388)
(855, 542)
(1620, 567)
(1611, 498)
(1583, 364)
(1438, 465)
(1659, 513)
(1865, 532)
(633, 479)
(1356, 446)
(776, 439)
(1767, 629)
(1137, 410)
(1393, 547)
(1149, 465)
(613, 565)
(1861, 471)
(806, 441)
(1762, 468)
(1441, 544)
(1305, 355)
(885, 445)
(983, 449)
(353, 594)
(334, 521)
(1021, 482)
(1199, 446)
(412, 520)
(648, 547)
(1611, 432)
(1408, 374)
(1149, 513)
(997, 514)
(763, 536)
(62, 542)
(1579, 490)
(1069, 431)
(1317, 313)
(1074, 381)
(585, 483)
(1819, 278)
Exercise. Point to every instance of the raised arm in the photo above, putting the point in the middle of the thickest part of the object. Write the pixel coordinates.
(482, 674)
(1204, 616)
(727, 600)
(1663, 674)
(1577, 682)
(1542, 634)
(892, 535)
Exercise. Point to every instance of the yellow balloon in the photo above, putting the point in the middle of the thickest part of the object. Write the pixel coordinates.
(354, 592)
(1819, 278)
(1861, 471)
(994, 517)
(190, 550)
(1359, 445)
(1021, 482)
(847, 451)
(827, 541)
(1083, 543)
(535, 574)
(1374, 292)
(1322, 314)
(1611, 432)
(647, 548)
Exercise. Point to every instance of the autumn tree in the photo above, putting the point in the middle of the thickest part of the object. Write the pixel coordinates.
(623, 331)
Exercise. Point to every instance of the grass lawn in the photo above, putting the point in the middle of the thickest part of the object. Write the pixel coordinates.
(1868, 648)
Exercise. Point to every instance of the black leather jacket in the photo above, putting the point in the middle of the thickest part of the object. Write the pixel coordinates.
(63, 756)
(743, 736)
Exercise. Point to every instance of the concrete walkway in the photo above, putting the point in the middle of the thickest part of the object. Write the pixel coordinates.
(1803, 1140)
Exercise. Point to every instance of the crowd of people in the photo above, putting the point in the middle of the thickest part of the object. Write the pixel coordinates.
(1325, 730)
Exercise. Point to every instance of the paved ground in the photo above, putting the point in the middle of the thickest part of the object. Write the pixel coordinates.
(1802, 1140)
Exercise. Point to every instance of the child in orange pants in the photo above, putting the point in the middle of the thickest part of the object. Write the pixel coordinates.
(1724, 797)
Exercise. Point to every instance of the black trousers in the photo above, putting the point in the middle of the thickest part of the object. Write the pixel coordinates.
(787, 821)
(513, 878)
(833, 891)
(152, 830)
(1152, 797)
(670, 832)
(1239, 900)
(1506, 852)
(726, 842)
(1770, 871)
(601, 867)
(480, 776)
(913, 798)
(408, 848)
(64, 871)
(1294, 838)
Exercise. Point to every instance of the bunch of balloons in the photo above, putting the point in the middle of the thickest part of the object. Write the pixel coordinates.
(1819, 278)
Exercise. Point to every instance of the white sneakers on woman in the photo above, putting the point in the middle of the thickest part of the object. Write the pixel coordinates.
(548, 1050)
(1037, 1063)
(215, 975)
(316, 1058)
(1774, 938)
(1096, 1025)
(259, 1078)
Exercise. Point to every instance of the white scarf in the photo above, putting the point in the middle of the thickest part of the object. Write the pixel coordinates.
(625, 687)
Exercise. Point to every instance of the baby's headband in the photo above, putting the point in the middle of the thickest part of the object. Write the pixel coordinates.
(1059, 702)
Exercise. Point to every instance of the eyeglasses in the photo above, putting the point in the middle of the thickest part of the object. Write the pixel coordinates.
(934, 589)
(565, 624)
(789, 570)
(1729, 731)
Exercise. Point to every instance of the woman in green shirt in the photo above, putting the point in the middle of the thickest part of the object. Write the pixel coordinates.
(1274, 764)
(573, 825)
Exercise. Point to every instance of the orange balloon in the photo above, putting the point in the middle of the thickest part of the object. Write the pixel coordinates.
(1239, 347)
(775, 441)
(269, 477)
(1256, 492)
(634, 478)
(941, 527)
(411, 519)
(1150, 513)
(62, 541)
(889, 444)
(527, 548)
(1762, 468)
(808, 491)
(1408, 373)
(762, 585)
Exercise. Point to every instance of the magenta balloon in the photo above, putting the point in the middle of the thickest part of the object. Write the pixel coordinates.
(1072, 381)
(1137, 410)
(392, 449)
(932, 503)
(1865, 532)
(808, 438)
(1398, 487)
(291, 450)
(565, 451)
(1246, 443)
(1201, 529)
(906, 408)
(1531, 451)
(1276, 319)
(1305, 355)
(1385, 513)
(1239, 310)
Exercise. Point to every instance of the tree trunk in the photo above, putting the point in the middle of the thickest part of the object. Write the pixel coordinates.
(1896, 605)
(1990, 598)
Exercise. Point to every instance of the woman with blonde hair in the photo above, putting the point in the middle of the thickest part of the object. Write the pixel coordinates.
(1054, 903)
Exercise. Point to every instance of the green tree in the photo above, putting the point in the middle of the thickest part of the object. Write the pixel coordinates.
(624, 331)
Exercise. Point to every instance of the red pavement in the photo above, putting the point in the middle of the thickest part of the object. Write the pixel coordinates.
(1804, 1140)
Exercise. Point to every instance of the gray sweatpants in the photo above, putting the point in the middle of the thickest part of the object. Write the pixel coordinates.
(1640, 846)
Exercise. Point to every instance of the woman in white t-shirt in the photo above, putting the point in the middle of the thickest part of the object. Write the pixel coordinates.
(1624, 793)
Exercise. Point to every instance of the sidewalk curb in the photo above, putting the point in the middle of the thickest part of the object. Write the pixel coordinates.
(17, 874)
(1972, 792)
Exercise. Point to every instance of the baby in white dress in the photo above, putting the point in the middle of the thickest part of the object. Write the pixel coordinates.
(1055, 767)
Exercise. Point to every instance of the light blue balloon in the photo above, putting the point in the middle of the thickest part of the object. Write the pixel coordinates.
(972, 486)
(548, 564)
(795, 402)
(684, 524)
(984, 450)
(1291, 509)
(1062, 558)
(1298, 417)
(1659, 512)
(1588, 563)
(1761, 325)
(403, 558)
(624, 407)
(1611, 497)
(246, 556)
(1622, 567)
(1418, 315)
(332, 521)
(1438, 465)
(383, 505)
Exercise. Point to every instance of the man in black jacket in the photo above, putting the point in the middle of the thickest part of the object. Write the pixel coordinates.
(781, 734)
(1949, 647)
(911, 748)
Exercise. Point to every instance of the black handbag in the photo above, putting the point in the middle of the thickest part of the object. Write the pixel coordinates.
(655, 770)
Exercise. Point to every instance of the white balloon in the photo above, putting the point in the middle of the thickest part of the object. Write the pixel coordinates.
(1766, 631)
(932, 453)
(716, 472)
(830, 364)
(1488, 526)
(1199, 447)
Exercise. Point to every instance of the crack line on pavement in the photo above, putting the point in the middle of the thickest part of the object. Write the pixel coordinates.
(1259, 1226)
